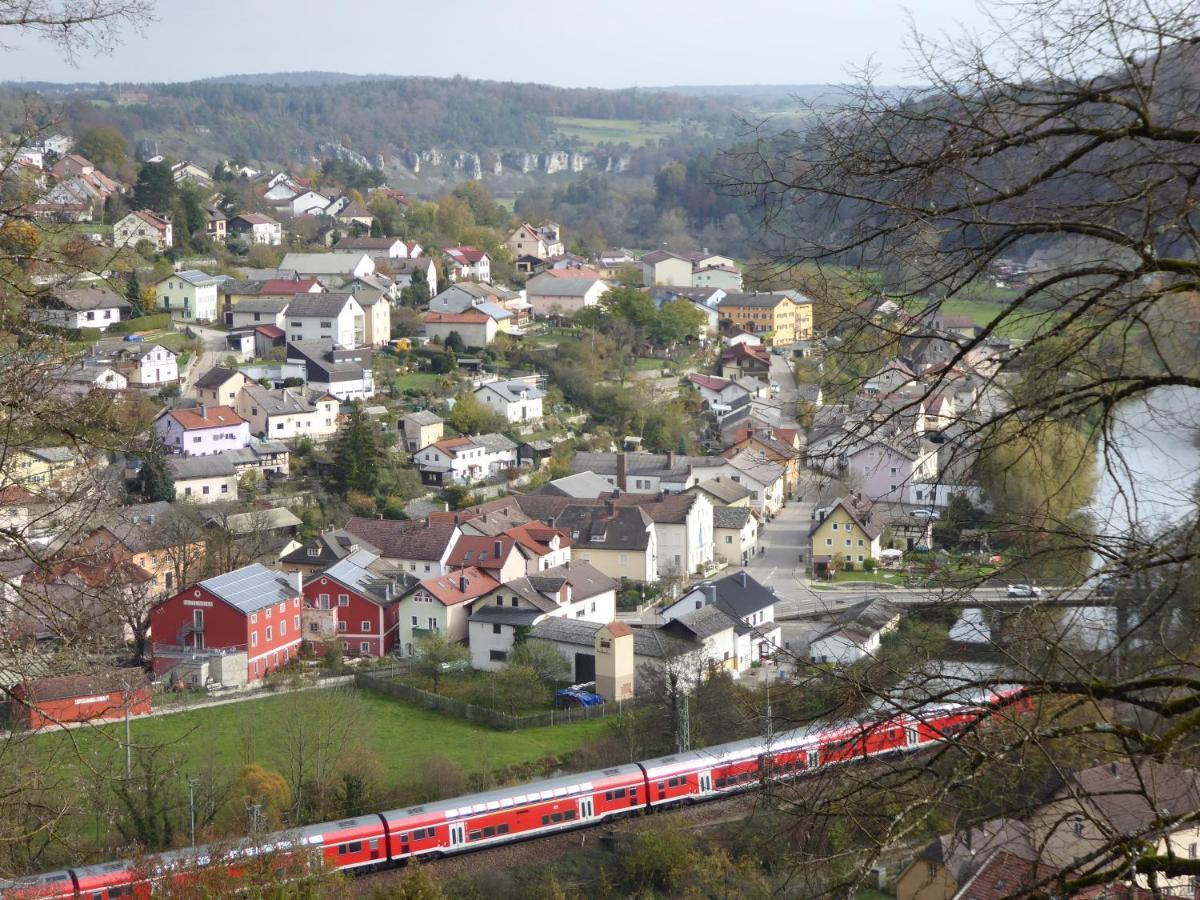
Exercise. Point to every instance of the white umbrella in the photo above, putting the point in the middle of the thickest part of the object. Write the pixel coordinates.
(891, 553)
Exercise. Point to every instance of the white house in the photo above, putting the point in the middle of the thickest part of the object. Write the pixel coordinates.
(744, 600)
(146, 365)
(190, 295)
(467, 264)
(204, 479)
(576, 590)
(766, 480)
(855, 633)
(336, 317)
(255, 311)
(440, 605)
(661, 267)
(464, 460)
(346, 266)
(379, 248)
(307, 203)
(202, 431)
(287, 413)
(476, 328)
(735, 534)
(517, 401)
(884, 470)
(143, 225)
(255, 228)
(84, 307)
(345, 373)
(551, 295)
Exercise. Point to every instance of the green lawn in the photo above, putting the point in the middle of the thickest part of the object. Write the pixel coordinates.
(646, 364)
(1023, 324)
(423, 381)
(614, 131)
(403, 737)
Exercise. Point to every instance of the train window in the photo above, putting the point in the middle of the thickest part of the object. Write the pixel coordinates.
(569, 815)
(489, 832)
(475, 835)
(619, 793)
(671, 782)
(556, 817)
(608, 795)
(341, 849)
(373, 843)
(545, 820)
(355, 847)
(501, 829)
(720, 782)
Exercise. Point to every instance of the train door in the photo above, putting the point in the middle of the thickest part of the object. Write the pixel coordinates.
(457, 835)
(705, 782)
(586, 808)
(912, 736)
(814, 759)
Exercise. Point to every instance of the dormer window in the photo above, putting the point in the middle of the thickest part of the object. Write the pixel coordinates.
(314, 551)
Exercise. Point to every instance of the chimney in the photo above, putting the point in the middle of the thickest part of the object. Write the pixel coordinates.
(203, 411)
(621, 463)
(299, 583)
(742, 578)
(462, 583)
(710, 591)
(499, 549)
(662, 495)
(610, 508)
(670, 459)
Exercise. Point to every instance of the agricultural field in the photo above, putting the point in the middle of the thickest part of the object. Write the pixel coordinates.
(591, 132)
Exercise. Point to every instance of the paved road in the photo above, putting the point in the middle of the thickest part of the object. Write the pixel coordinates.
(215, 349)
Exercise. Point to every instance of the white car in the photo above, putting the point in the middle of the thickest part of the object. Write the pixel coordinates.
(926, 514)
(774, 387)
(1024, 590)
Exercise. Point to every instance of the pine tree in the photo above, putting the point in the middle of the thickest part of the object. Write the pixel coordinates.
(157, 481)
(356, 453)
(133, 293)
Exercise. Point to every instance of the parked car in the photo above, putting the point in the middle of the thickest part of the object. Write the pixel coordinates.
(774, 387)
(135, 338)
(926, 514)
(1024, 590)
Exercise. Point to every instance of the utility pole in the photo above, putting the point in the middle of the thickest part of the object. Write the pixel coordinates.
(192, 809)
(683, 731)
(128, 750)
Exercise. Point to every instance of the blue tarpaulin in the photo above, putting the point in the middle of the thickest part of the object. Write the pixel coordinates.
(567, 696)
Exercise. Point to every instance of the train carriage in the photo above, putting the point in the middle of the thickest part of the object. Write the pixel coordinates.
(111, 881)
(494, 817)
(356, 843)
(50, 886)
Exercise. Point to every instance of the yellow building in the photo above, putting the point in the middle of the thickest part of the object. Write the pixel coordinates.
(37, 468)
(843, 531)
(781, 317)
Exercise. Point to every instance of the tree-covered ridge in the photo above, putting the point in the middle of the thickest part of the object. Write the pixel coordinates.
(274, 120)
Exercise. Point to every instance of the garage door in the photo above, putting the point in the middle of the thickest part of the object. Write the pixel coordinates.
(585, 667)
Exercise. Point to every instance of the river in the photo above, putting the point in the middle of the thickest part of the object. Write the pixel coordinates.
(1149, 467)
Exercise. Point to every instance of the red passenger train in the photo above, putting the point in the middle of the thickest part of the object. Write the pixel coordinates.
(539, 808)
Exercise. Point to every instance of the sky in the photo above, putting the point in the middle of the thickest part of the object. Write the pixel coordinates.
(611, 44)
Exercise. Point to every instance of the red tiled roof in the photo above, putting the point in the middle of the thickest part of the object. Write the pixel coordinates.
(536, 536)
(283, 286)
(15, 495)
(479, 551)
(154, 220)
(214, 417)
(459, 587)
(462, 318)
(271, 331)
(712, 382)
(449, 445)
(572, 272)
(619, 629)
(466, 254)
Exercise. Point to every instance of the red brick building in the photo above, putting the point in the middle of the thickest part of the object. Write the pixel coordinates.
(81, 698)
(354, 602)
(252, 610)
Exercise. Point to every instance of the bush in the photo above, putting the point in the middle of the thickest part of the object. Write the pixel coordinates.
(847, 566)
(868, 564)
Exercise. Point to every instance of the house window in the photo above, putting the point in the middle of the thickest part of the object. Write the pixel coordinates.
(433, 625)
(860, 542)
(282, 628)
(497, 655)
(253, 618)
(341, 626)
(514, 601)
(312, 627)
(497, 629)
(414, 621)
(835, 526)
(828, 542)
(254, 639)
(224, 489)
(729, 538)
(366, 626)
(296, 622)
(270, 636)
(343, 599)
(364, 647)
(269, 611)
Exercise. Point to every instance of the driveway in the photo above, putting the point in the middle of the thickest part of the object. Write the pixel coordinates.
(779, 566)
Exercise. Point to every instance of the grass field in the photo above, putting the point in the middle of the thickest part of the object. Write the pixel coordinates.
(1023, 325)
(403, 737)
(423, 381)
(648, 364)
(614, 131)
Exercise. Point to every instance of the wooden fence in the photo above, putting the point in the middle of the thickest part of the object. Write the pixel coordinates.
(382, 683)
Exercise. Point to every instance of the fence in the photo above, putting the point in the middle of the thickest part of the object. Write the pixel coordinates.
(382, 683)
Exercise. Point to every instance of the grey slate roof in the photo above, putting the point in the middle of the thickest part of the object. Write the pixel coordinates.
(702, 623)
(626, 528)
(212, 466)
(259, 520)
(653, 642)
(493, 443)
(269, 305)
(422, 417)
(281, 402)
(511, 390)
(730, 516)
(330, 546)
(506, 615)
(317, 305)
(251, 588)
(215, 377)
(355, 572)
(737, 595)
(85, 298)
(552, 286)
(723, 489)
